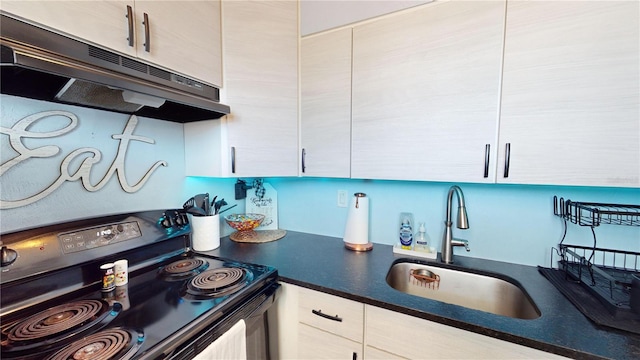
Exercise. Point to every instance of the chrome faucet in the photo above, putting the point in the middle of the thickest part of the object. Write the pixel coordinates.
(448, 242)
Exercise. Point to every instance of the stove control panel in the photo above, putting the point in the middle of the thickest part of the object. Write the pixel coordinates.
(91, 238)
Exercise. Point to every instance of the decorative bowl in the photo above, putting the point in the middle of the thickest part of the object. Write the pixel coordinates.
(244, 222)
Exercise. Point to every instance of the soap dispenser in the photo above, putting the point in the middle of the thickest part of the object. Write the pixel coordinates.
(406, 231)
(422, 239)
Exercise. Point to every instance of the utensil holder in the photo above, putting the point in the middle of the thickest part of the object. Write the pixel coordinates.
(205, 232)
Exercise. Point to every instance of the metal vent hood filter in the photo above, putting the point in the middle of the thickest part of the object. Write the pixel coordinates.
(43, 65)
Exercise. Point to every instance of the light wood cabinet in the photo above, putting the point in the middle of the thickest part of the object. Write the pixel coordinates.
(409, 337)
(571, 93)
(318, 344)
(260, 136)
(426, 87)
(316, 325)
(184, 36)
(371, 353)
(375, 333)
(459, 91)
(330, 327)
(325, 111)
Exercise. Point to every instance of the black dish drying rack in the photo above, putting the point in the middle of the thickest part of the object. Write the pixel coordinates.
(595, 214)
(605, 273)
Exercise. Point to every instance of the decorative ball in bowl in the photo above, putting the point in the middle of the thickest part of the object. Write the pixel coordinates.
(244, 222)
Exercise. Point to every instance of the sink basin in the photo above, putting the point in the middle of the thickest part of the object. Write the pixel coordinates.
(493, 293)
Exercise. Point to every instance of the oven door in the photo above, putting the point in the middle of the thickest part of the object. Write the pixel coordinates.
(253, 312)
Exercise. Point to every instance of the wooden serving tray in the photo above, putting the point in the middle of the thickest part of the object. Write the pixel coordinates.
(257, 236)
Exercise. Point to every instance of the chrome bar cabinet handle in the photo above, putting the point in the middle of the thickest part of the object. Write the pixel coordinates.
(487, 149)
(507, 159)
(304, 154)
(147, 37)
(334, 318)
(129, 17)
(233, 159)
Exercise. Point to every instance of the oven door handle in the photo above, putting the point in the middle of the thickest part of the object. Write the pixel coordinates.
(269, 294)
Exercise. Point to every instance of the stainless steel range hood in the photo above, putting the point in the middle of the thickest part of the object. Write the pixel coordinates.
(40, 64)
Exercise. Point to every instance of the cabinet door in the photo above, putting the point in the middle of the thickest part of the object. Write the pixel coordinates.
(325, 120)
(371, 353)
(260, 50)
(318, 344)
(426, 93)
(184, 37)
(395, 333)
(103, 23)
(571, 93)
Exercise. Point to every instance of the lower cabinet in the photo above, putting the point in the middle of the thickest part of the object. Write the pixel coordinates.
(329, 327)
(317, 344)
(389, 334)
(314, 325)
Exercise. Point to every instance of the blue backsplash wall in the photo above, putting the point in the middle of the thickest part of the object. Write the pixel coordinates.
(507, 222)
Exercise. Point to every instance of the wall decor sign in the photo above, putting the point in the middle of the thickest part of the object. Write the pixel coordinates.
(265, 202)
(88, 155)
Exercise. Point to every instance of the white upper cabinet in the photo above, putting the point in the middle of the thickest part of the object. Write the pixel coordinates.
(102, 23)
(426, 93)
(181, 36)
(325, 121)
(184, 37)
(260, 136)
(571, 93)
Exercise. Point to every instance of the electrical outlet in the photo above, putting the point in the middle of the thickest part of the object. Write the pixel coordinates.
(342, 198)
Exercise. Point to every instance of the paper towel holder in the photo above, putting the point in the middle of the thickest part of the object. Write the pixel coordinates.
(356, 234)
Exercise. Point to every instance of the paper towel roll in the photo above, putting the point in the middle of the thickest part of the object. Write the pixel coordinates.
(205, 232)
(357, 228)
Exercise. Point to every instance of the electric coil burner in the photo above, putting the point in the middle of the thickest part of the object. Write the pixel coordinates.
(217, 282)
(107, 344)
(55, 326)
(175, 304)
(183, 269)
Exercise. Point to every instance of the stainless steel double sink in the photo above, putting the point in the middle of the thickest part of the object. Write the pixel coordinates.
(479, 290)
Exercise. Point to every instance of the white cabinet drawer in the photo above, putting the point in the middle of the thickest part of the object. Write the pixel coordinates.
(331, 313)
(371, 353)
(398, 334)
(318, 344)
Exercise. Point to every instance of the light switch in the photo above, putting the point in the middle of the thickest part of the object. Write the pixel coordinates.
(342, 198)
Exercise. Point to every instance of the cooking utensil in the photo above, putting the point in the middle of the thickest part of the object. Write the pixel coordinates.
(205, 203)
(189, 203)
(212, 205)
(199, 199)
(229, 208)
(218, 205)
(196, 210)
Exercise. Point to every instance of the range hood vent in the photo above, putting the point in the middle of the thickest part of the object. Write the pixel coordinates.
(39, 64)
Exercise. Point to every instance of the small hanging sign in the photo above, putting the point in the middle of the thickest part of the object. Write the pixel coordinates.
(267, 204)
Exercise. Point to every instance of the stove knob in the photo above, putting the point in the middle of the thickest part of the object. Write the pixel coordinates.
(109, 233)
(179, 220)
(8, 256)
(166, 222)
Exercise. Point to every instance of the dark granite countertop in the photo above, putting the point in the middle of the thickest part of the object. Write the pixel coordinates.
(322, 263)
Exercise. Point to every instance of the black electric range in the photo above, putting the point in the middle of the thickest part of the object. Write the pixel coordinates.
(176, 301)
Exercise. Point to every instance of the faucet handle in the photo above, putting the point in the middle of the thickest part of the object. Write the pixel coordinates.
(461, 242)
